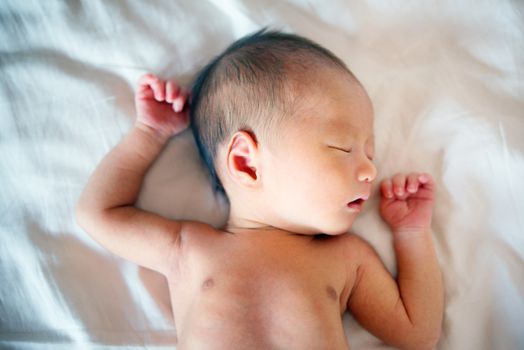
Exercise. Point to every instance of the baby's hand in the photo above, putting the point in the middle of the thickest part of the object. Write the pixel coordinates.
(161, 105)
(407, 205)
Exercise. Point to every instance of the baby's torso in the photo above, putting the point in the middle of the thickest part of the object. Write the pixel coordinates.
(229, 292)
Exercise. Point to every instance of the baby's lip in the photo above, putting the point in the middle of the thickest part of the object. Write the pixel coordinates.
(356, 205)
(363, 197)
(358, 202)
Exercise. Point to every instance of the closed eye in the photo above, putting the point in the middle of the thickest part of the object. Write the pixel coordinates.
(342, 149)
(347, 151)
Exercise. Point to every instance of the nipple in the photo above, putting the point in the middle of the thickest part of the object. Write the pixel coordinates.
(331, 292)
(208, 283)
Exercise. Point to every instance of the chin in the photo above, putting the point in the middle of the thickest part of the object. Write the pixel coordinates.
(337, 230)
(328, 226)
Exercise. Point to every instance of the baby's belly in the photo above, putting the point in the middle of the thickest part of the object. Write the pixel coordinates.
(229, 314)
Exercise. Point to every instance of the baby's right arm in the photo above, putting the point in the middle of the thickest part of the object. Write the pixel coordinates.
(106, 207)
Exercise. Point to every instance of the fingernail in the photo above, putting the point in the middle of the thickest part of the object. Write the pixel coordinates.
(177, 105)
(423, 178)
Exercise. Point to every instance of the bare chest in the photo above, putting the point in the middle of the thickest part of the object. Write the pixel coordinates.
(282, 290)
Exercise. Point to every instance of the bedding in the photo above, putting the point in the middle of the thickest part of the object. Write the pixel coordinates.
(446, 81)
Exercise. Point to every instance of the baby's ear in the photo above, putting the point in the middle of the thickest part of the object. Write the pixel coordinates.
(242, 158)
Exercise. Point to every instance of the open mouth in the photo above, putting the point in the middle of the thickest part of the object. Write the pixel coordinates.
(356, 204)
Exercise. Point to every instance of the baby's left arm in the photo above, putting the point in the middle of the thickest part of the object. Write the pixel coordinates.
(406, 313)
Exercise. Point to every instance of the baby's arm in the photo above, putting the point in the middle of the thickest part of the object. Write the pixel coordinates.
(406, 313)
(106, 207)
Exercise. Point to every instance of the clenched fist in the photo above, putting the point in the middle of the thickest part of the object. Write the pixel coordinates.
(407, 201)
(161, 105)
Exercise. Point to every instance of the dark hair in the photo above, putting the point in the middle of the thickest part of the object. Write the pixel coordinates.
(249, 87)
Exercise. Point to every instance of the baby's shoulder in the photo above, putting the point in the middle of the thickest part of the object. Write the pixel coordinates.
(193, 231)
(357, 247)
(194, 236)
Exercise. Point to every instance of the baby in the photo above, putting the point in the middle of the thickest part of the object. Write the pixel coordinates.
(287, 133)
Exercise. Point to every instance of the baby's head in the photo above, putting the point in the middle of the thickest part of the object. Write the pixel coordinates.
(286, 131)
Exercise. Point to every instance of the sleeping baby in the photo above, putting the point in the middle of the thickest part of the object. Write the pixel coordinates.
(286, 131)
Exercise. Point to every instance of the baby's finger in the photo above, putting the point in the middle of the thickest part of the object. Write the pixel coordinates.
(180, 101)
(399, 183)
(413, 183)
(144, 86)
(386, 187)
(172, 91)
(159, 88)
(426, 180)
(155, 83)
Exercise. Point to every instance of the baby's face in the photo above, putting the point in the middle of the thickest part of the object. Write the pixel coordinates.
(324, 159)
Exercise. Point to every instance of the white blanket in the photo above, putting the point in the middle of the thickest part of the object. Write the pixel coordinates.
(446, 80)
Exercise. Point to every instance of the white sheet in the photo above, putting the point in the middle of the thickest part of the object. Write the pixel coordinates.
(446, 79)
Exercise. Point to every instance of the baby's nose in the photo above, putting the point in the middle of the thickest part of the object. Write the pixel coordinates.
(368, 173)
(366, 178)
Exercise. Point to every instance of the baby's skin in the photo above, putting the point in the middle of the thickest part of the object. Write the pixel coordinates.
(262, 286)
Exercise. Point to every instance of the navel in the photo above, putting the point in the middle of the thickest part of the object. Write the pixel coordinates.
(331, 292)
(208, 283)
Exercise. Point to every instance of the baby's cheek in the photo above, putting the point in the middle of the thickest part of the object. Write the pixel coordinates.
(339, 175)
(312, 177)
(331, 182)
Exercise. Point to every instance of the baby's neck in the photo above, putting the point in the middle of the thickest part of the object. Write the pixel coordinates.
(249, 221)
(257, 230)
(240, 221)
